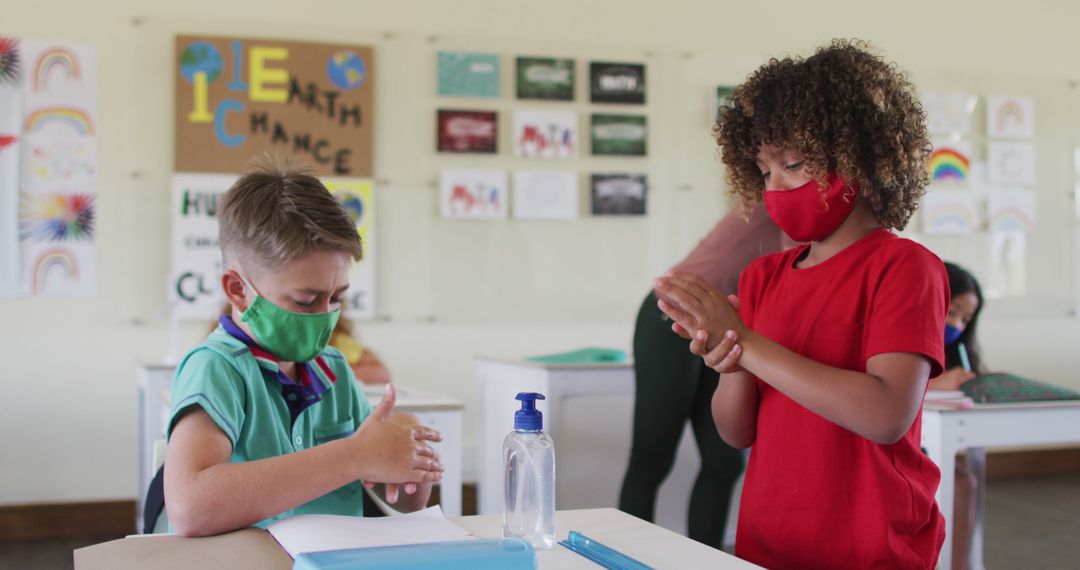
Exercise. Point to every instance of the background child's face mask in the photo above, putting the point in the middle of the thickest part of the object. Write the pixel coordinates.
(292, 337)
(806, 214)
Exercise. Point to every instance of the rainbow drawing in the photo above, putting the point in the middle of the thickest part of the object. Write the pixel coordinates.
(50, 261)
(76, 119)
(948, 218)
(53, 61)
(1011, 219)
(1010, 115)
(57, 217)
(949, 165)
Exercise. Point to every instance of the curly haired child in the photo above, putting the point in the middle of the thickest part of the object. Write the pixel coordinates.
(826, 353)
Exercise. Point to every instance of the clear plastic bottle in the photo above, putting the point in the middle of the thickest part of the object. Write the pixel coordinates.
(529, 477)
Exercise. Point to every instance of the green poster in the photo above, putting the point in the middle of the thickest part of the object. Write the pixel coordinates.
(619, 135)
(545, 78)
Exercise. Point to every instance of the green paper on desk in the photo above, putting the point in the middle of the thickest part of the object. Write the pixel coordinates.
(583, 356)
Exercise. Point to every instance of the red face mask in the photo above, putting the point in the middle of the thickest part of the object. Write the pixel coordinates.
(805, 213)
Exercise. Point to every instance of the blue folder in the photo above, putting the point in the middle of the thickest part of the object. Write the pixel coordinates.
(502, 553)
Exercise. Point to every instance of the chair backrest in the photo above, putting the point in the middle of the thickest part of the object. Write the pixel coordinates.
(154, 505)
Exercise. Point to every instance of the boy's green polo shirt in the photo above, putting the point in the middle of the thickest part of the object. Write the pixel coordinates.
(244, 397)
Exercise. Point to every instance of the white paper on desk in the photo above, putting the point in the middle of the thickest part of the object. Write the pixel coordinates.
(315, 533)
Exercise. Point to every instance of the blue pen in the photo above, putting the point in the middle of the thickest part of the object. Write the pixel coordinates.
(963, 356)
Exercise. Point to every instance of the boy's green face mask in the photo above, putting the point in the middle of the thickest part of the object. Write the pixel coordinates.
(292, 337)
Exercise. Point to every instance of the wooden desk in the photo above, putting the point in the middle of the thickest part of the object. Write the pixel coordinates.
(255, 548)
(946, 432)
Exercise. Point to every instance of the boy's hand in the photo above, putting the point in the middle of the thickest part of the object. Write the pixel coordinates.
(395, 450)
(695, 306)
(951, 379)
(724, 357)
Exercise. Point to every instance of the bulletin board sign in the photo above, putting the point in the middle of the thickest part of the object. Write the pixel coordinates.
(237, 98)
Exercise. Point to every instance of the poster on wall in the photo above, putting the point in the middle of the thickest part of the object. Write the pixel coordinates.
(949, 212)
(618, 135)
(545, 78)
(720, 96)
(618, 194)
(57, 173)
(545, 134)
(467, 74)
(545, 195)
(1008, 264)
(1011, 164)
(239, 97)
(949, 112)
(358, 197)
(1010, 117)
(473, 194)
(10, 137)
(467, 131)
(617, 83)
(195, 268)
(950, 162)
(1011, 211)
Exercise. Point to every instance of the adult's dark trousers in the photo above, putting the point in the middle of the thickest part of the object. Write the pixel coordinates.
(673, 386)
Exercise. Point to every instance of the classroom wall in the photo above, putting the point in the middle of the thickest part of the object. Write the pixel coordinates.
(69, 364)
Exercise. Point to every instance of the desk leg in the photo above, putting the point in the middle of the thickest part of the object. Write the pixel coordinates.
(940, 447)
(976, 463)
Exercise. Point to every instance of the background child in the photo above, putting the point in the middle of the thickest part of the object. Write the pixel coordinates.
(960, 327)
(267, 421)
(825, 369)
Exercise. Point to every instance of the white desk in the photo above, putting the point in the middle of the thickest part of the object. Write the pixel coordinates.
(589, 413)
(649, 544)
(441, 413)
(946, 432)
(254, 548)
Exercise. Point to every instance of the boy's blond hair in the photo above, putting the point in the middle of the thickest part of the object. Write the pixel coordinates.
(277, 212)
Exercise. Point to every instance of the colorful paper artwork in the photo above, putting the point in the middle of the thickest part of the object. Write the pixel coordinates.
(1011, 210)
(474, 194)
(619, 135)
(57, 172)
(57, 217)
(358, 197)
(10, 137)
(10, 62)
(546, 195)
(60, 270)
(618, 194)
(545, 78)
(59, 163)
(1010, 117)
(1011, 164)
(236, 98)
(617, 83)
(468, 131)
(195, 274)
(949, 212)
(465, 74)
(949, 112)
(950, 162)
(545, 134)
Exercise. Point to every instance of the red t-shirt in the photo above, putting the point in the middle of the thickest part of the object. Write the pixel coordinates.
(817, 495)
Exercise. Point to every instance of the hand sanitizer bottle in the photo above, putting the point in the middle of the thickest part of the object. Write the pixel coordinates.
(529, 483)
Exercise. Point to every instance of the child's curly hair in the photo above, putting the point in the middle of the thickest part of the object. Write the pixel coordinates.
(847, 111)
